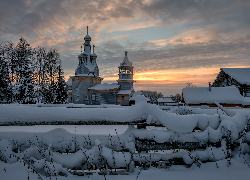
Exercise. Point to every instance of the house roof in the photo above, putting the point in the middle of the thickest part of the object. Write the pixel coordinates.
(166, 100)
(105, 86)
(197, 95)
(242, 75)
(125, 92)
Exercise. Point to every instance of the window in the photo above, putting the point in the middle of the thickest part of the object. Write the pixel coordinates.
(77, 98)
(93, 97)
(122, 97)
(86, 98)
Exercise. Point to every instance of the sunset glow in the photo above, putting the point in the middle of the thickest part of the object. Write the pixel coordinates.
(169, 42)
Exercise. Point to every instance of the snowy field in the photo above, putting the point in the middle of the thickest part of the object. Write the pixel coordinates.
(213, 143)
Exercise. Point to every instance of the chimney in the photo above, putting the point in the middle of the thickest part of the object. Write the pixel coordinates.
(209, 86)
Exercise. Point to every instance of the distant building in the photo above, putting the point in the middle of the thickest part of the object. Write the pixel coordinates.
(166, 102)
(230, 88)
(86, 87)
(238, 77)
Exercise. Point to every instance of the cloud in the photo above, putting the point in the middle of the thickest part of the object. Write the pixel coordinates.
(211, 33)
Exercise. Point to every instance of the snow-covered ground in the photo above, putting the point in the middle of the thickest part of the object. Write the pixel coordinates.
(51, 152)
(208, 171)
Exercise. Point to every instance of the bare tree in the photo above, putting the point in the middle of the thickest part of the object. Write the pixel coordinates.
(189, 84)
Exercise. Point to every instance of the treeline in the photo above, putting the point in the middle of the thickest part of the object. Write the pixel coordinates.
(29, 75)
(152, 95)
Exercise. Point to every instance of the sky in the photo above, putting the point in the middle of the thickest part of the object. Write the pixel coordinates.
(170, 42)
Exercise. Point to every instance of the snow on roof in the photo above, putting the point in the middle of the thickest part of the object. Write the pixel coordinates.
(242, 75)
(93, 55)
(125, 92)
(197, 95)
(138, 93)
(91, 67)
(246, 101)
(105, 86)
(125, 61)
(87, 37)
(167, 100)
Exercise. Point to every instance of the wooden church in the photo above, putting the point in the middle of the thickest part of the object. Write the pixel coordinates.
(86, 87)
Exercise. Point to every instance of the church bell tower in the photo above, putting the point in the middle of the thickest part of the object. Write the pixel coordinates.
(126, 74)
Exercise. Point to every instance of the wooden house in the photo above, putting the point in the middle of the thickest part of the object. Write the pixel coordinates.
(238, 77)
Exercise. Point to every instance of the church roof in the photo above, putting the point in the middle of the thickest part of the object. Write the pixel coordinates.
(125, 92)
(242, 75)
(83, 54)
(69, 82)
(197, 95)
(125, 61)
(93, 55)
(87, 37)
(105, 86)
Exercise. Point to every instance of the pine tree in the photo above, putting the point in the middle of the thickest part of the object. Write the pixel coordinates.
(4, 76)
(40, 72)
(60, 89)
(24, 89)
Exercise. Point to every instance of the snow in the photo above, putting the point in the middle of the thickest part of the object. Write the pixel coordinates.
(138, 94)
(125, 62)
(241, 75)
(174, 122)
(87, 37)
(125, 92)
(197, 95)
(105, 86)
(39, 154)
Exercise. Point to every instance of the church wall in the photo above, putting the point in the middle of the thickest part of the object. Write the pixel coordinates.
(122, 99)
(70, 97)
(80, 89)
(126, 85)
(126, 76)
(105, 97)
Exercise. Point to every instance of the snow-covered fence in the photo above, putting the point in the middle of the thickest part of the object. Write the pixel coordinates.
(57, 152)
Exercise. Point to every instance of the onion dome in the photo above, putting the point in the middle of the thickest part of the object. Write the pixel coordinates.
(93, 55)
(83, 55)
(87, 38)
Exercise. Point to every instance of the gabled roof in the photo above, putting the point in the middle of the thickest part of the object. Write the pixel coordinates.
(242, 75)
(197, 95)
(105, 86)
